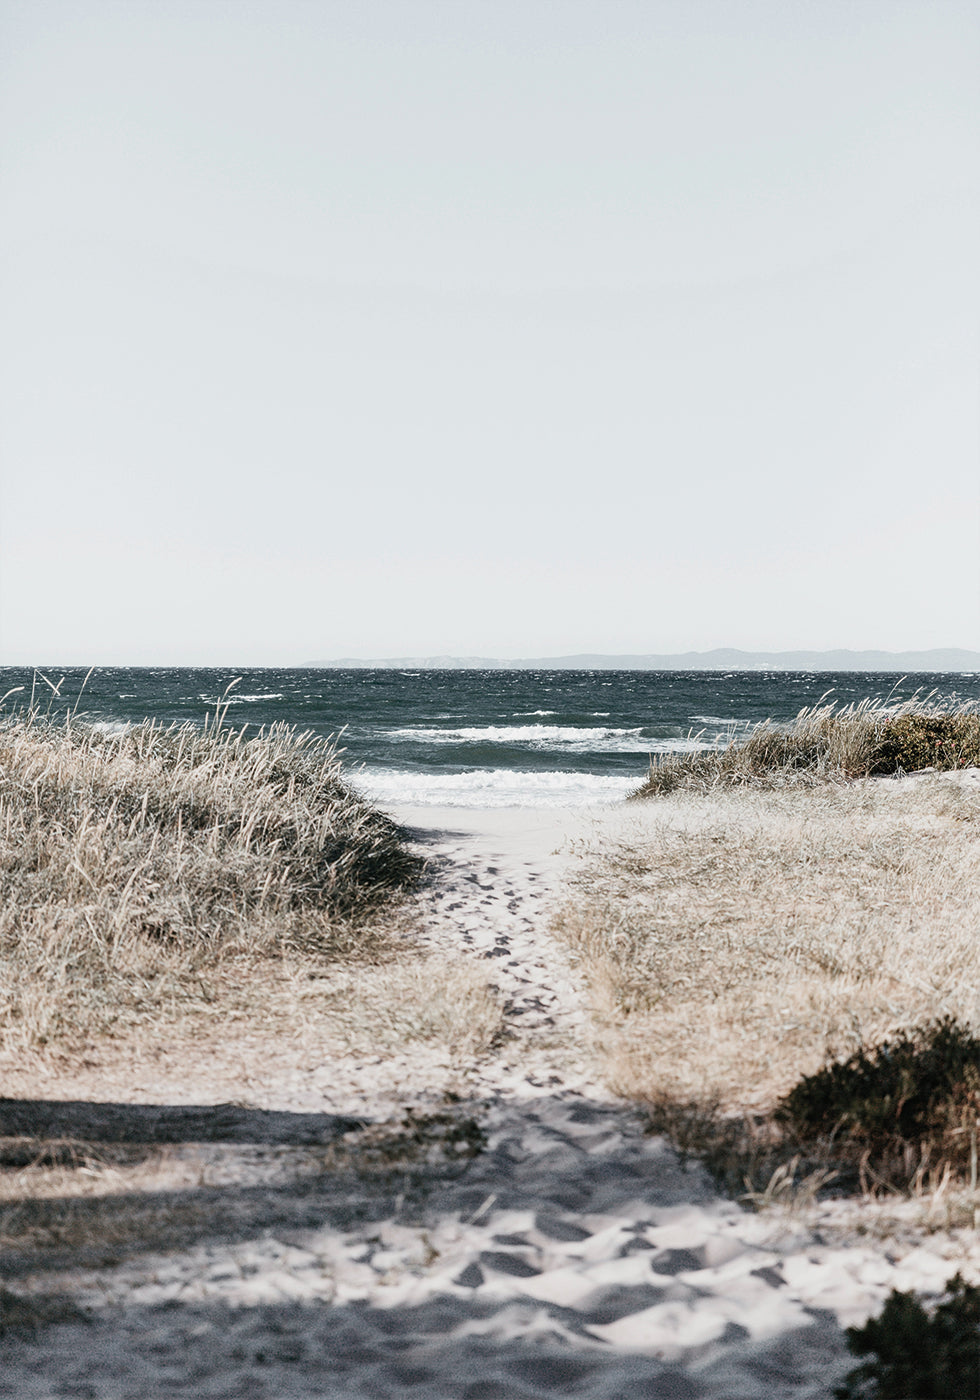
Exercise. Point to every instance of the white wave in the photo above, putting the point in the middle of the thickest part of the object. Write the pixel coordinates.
(543, 737)
(729, 723)
(511, 734)
(494, 787)
(529, 714)
(239, 699)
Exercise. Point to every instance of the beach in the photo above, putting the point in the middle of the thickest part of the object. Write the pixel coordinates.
(489, 700)
(441, 1217)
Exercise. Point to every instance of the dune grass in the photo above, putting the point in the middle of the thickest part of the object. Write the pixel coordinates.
(826, 744)
(202, 915)
(134, 863)
(740, 938)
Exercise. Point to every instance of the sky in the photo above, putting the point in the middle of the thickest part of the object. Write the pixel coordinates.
(487, 327)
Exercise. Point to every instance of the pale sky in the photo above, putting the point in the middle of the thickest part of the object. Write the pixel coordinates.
(499, 327)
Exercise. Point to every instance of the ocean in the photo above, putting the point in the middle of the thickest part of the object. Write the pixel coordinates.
(478, 738)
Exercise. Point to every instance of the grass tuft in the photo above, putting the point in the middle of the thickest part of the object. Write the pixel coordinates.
(134, 862)
(827, 744)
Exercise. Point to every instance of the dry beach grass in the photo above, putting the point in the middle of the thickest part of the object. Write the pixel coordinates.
(739, 935)
(763, 917)
(139, 867)
(195, 915)
(827, 743)
(208, 899)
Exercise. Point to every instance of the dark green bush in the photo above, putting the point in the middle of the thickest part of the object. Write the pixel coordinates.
(913, 741)
(917, 1355)
(913, 1100)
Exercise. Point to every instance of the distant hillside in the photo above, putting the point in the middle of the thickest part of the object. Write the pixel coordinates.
(721, 659)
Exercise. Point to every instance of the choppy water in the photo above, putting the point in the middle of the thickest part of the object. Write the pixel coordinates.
(481, 738)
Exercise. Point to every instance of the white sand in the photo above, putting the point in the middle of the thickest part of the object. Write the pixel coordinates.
(571, 1257)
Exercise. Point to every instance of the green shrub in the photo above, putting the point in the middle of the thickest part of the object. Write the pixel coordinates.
(917, 1355)
(910, 1103)
(913, 741)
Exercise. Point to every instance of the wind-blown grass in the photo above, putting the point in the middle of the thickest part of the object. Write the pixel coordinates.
(131, 861)
(827, 744)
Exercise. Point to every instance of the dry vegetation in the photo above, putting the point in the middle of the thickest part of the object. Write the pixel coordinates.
(137, 864)
(198, 915)
(870, 739)
(744, 933)
(162, 879)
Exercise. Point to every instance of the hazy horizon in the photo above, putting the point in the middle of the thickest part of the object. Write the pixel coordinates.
(943, 659)
(487, 328)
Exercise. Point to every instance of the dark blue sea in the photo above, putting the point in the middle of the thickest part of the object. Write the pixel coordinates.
(479, 738)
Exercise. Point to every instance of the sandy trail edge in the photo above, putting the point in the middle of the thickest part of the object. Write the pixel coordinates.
(572, 1256)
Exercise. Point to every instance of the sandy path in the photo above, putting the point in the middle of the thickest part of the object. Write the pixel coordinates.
(570, 1256)
(496, 874)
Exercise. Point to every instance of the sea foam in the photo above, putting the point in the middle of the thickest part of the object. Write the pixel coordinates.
(573, 738)
(493, 787)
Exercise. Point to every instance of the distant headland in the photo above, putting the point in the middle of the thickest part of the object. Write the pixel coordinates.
(721, 659)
